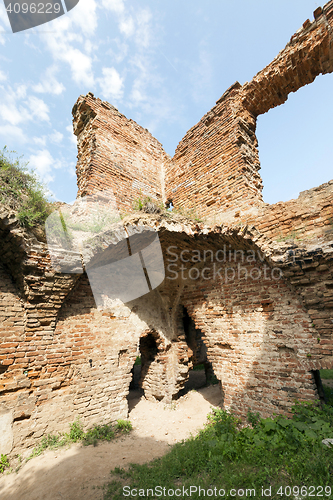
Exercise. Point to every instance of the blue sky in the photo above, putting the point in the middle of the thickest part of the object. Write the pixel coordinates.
(162, 63)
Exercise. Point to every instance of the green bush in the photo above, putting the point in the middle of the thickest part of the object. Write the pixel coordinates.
(76, 432)
(124, 425)
(99, 432)
(22, 191)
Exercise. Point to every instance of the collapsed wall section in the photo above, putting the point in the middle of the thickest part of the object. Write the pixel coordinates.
(308, 54)
(215, 169)
(216, 165)
(116, 153)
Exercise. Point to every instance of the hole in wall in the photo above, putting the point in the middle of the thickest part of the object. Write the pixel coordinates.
(295, 142)
(3, 368)
(202, 373)
(147, 352)
(327, 384)
(317, 379)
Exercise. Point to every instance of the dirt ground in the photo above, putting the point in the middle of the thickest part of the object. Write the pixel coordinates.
(79, 472)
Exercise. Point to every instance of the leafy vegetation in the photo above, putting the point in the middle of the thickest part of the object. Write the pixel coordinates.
(91, 437)
(22, 191)
(4, 463)
(124, 425)
(275, 453)
(140, 202)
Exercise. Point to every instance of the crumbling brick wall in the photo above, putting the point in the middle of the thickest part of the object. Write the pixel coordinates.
(116, 152)
(216, 165)
(63, 357)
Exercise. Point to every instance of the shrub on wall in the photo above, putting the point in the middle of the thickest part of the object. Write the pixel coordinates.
(22, 191)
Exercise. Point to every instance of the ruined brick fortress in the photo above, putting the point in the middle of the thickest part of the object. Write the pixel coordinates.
(264, 322)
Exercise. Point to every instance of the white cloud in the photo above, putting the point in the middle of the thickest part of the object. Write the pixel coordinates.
(126, 26)
(117, 6)
(72, 136)
(84, 16)
(111, 84)
(43, 163)
(11, 133)
(80, 65)
(49, 84)
(143, 31)
(56, 137)
(38, 108)
(9, 110)
(3, 77)
(60, 42)
(202, 75)
(41, 141)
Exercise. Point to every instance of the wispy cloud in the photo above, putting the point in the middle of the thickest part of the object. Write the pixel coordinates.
(43, 163)
(127, 26)
(11, 133)
(10, 110)
(38, 109)
(117, 6)
(143, 32)
(49, 84)
(56, 137)
(111, 84)
(61, 42)
(202, 74)
(72, 136)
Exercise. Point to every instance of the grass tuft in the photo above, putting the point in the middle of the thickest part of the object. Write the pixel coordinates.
(105, 432)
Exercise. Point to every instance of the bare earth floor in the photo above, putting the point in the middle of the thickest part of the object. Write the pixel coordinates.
(77, 473)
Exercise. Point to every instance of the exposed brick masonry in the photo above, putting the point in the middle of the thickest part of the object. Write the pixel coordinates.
(62, 357)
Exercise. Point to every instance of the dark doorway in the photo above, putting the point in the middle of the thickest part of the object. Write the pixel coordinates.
(147, 353)
(202, 373)
(319, 385)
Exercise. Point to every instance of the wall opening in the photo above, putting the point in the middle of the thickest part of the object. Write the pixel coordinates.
(326, 377)
(201, 373)
(319, 385)
(295, 145)
(147, 353)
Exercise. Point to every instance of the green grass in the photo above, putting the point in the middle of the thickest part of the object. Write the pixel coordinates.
(137, 361)
(326, 374)
(199, 367)
(22, 191)
(271, 453)
(76, 434)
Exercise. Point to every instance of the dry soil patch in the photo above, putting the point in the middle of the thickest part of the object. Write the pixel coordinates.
(78, 473)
